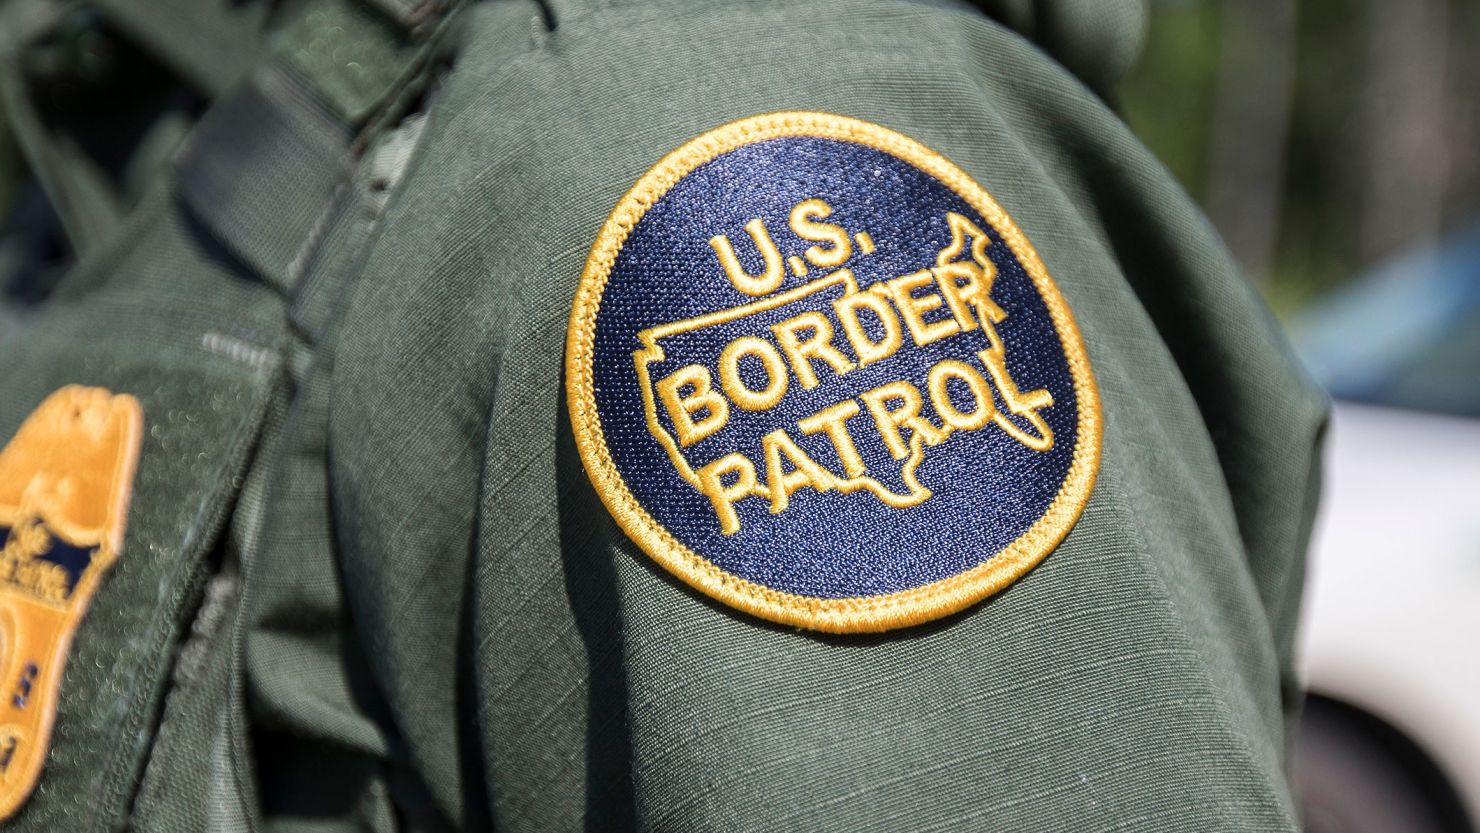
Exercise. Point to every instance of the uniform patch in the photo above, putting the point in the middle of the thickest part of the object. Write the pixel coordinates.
(65, 481)
(817, 373)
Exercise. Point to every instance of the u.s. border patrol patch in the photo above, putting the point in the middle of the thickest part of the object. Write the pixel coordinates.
(817, 372)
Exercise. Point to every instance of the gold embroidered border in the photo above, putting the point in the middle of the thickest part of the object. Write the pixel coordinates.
(846, 615)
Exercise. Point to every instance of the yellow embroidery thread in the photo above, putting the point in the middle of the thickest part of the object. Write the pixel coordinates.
(838, 615)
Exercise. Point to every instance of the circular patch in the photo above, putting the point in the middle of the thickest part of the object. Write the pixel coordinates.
(817, 373)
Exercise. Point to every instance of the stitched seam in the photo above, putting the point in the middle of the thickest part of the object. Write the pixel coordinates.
(851, 614)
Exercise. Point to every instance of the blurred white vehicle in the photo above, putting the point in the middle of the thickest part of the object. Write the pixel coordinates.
(1391, 634)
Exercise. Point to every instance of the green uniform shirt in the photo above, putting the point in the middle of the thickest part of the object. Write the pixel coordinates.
(366, 582)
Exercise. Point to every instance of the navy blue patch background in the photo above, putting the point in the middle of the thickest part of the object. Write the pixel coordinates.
(73, 559)
(988, 488)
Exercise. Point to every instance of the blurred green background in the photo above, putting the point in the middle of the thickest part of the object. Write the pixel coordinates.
(1322, 136)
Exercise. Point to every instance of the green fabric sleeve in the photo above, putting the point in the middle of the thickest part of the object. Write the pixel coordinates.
(540, 673)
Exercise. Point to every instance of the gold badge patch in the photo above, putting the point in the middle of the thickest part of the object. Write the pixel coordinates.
(65, 481)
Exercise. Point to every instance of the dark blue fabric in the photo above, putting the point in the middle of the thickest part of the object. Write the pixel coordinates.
(73, 559)
(988, 488)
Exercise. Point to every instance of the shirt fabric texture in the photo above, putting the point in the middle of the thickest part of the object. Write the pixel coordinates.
(366, 584)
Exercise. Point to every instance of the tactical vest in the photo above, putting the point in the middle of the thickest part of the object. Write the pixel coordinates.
(216, 172)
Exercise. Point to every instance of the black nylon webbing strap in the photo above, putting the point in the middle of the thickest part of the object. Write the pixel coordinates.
(263, 167)
(261, 170)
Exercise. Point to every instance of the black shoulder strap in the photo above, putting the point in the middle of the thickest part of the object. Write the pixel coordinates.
(299, 86)
(262, 169)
